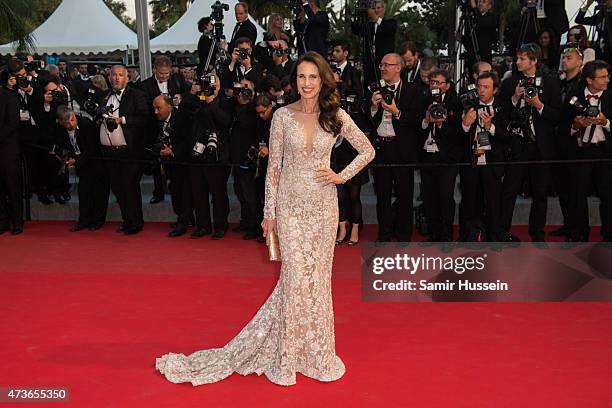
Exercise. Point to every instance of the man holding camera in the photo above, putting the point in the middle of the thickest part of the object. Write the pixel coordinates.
(11, 194)
(535, 111)
(244, 28)
(395, 116)
(590, 138)
(78, 140)
(281, 64)
(484, 125)
(209, 144)
(346, 75)
(380, 39)
(242, 65)
(313, 23)
(440, 142)
(123, 137)
(602, 20)
(485, 25)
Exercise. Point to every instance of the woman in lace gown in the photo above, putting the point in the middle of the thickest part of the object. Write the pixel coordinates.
(294, 329)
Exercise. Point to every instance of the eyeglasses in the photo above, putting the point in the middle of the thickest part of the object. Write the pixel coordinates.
(436, 82)
(385, 65)
(603, 76)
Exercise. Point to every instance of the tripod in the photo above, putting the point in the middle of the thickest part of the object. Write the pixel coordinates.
(465, 25)
(367, 47)
(529, 19)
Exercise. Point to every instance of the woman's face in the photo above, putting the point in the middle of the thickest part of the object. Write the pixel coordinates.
(544, 39)
(308, 80)
(278, 22)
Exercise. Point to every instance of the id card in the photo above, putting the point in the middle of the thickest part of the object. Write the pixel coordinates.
(24, 115)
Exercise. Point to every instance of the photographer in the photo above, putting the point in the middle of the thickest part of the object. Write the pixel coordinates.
(381, 40)
(535, 111)
(79, 142)
(244, 153)
(265, 110)
(346, 75)
(244, 28)
(209, 146)
(123, 128)
(162, 82)
(313, 24)
(396, 120)
(11, 189)
(281, 63)
(242, 65)
(205, 43)
(485, 25)
(484, 125)
(602, 20)
(412, 62)
(171, 130)
(590, 138)
(441, 142)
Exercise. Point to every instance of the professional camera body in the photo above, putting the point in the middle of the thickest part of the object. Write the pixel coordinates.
(589, 111)
(243, 91)
(163, 139)
(362, 6)
(206, 146)
(217, 10)
(90, 103)
(470, 99)
(105, 113)
(437, 110)
(279, 52)
(351, 104)
(385, 91)
(520, 123)
(59, 97)
(243, 53)
(278, 101)
(207, 84)
(35, 65)
(23, 81)
(295, 6)
(532, 86)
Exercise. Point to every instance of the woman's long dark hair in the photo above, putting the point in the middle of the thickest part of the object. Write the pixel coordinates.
(329, 98)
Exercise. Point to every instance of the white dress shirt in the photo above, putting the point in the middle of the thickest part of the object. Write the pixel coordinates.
(116, 137)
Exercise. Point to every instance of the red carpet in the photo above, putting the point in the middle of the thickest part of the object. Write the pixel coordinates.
(90, 311)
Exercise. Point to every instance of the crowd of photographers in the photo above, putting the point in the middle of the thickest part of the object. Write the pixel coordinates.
(193, 129)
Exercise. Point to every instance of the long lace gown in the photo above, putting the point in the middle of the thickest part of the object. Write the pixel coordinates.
(294, 329)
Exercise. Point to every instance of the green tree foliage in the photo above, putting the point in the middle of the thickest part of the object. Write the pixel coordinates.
(165, 13)
(119, 9)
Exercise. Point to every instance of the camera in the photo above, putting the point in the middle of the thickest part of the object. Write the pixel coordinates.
(469, 99)
(530, 3)
(279, 101)
(218, 9)
(531, 86)
(206, 146)
(243, 53)
(387, 93)
(295, 6)
(23, 82)
(520, 124)
(106, 114)
(589, 111)
(59, 97)
(207, 84)
(351, 104)
(362, 6)
(243, 91)
(279, 52)
(437, 110)
(90, 104)
(62, 155)
(33, 65)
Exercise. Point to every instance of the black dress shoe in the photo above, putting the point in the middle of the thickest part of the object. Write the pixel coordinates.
(78, 227)
(173, 225)
(132, 230)
(220, 233)
(560, 232)
(250, 235)
(95, 227)
(239, 228)
(178, 231)
(17, 229)
(58, 199)
(155, 200)
(122, 228)
(200, 232)
(43, 198)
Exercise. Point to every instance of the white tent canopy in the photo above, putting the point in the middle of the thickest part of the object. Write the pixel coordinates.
(80, 27)
(183, 36)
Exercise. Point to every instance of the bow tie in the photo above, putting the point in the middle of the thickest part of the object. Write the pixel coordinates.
(118, 93)
(589, 96)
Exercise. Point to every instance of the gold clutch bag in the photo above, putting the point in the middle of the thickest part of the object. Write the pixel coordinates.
(273, 246)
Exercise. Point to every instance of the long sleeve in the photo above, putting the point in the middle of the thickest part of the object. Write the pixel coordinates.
(359, 141)
(275, 162)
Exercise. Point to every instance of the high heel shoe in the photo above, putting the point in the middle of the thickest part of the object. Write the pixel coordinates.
(352, 243)
(340, 241)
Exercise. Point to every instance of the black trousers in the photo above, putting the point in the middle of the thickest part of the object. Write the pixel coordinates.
(180, 192)
(386, 181)
(11, 188)
(471, 208)
(210, 181)
(438, 188)
(349, 203)
(124, 180)
(580, 176)
(539, 178)
(245, 187)
(159, 185)
(94, 189)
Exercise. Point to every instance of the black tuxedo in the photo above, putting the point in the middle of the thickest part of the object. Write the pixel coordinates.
(124, 175)
(481, 185)
(581, 174)
(93, 179)
(556, 18)
(314, 32)
(486, 26)
(205, 42)
(228, 78)
(383, 41)
(604, 31)
(400, 149)
(350, 81)
(281, 71)
(245, 29)
(11, 201)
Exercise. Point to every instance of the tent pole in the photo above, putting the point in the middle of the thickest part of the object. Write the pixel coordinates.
(142, 31)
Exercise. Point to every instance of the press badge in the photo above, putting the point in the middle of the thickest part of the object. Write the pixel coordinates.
(24, 115)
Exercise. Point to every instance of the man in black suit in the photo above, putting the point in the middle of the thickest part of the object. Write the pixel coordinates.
(535, 111)
(244, 28)
(11, 194)
(441, 141)
(602, 19)
(313, 23)
(282, 65)
(485, 137)
(162, 82)
(556, 19)
(242, 66)
(170, 143)
(485, 27)
(123, 141)
(590, 138)
(79, 137)
(346, 75)
(396, 126)
(378, 37)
